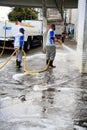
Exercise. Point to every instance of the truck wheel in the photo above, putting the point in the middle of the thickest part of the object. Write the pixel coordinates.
(41, 42)
(27, 46)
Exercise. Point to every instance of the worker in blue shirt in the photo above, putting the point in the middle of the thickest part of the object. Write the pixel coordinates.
(50, 46)
(19, 43)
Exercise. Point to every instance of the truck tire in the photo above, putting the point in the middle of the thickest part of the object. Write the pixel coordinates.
(41, 42)
(27, 45)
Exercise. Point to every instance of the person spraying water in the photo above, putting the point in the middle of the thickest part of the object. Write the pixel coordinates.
(50, 46)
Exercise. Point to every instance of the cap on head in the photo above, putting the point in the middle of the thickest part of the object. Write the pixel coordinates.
(21, 29)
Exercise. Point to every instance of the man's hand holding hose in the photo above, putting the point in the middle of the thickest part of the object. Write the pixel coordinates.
(58, 40)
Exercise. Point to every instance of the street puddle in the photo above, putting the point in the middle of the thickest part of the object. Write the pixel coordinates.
(18, 77)
(40, 87)
(76, 127)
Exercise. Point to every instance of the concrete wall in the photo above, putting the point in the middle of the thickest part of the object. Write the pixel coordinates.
(82, 36)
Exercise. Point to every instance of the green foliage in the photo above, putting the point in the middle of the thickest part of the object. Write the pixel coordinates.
(18, 14)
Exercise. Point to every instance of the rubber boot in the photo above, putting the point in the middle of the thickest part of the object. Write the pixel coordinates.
(16, 62)
(51, 64)
(47, 61)
(19, 64)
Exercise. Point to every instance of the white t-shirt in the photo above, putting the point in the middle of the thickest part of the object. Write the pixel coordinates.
(19, 40)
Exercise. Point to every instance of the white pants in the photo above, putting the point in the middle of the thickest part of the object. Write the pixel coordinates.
(19, 55)
(50, 52)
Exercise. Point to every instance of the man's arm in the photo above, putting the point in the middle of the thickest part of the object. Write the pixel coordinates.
(58, 40)
(21, 41)
(52, 36)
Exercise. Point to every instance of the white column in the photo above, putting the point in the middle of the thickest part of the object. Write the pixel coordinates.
(44, 33)
(82, 36)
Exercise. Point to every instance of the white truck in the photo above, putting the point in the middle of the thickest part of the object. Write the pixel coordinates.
(33, 33)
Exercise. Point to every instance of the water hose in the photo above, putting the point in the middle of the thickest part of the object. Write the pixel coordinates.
(8, 59)
(25, 69)
(33, 72)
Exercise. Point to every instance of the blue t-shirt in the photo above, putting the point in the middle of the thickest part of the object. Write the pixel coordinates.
(50, 38)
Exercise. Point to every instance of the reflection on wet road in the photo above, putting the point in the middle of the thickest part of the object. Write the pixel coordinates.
(53, 100)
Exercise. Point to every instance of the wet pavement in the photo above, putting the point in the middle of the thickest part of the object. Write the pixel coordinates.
(52, 100)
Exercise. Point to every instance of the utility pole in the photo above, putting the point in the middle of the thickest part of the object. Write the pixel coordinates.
(65, 20)
(70, 15)
(44, 9)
